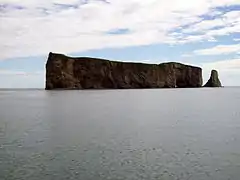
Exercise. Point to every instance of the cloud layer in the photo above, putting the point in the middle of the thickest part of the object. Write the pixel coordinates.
(33, 27)
(218, 50)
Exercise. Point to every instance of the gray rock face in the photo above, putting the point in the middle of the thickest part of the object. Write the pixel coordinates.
(214, 80)
(63, 72)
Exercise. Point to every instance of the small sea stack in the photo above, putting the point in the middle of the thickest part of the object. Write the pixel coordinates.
(213, 80)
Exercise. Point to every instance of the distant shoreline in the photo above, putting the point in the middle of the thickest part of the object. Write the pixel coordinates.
(27, 89)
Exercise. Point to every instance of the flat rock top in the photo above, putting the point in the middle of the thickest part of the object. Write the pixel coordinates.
(63, 72)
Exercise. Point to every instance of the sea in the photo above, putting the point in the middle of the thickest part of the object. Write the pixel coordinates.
(139, 134)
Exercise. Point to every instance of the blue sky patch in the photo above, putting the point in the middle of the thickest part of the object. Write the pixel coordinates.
(118, 31)
(66, 6)
(10, 7)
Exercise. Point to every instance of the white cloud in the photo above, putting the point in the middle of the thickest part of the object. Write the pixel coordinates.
(218, 50)
(21, 79)
(18, 73)
(224, 65)
(8, 72)
(223, 25)
(205, 25)
(41, 26)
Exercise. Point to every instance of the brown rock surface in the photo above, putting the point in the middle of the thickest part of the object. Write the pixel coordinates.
(214, 80)
(64, 72)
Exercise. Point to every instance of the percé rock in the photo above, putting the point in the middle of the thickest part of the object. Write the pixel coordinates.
(64, 72)
(214, 80)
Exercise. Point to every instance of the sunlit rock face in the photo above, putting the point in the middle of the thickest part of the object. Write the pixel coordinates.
(64, 72)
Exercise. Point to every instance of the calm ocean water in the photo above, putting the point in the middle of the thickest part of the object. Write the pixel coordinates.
(164, 134)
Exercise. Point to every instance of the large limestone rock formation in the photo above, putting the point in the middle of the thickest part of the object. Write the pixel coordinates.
(214, 80)
(64, 72)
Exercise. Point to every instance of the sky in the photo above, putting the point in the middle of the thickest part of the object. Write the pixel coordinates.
(204, 33)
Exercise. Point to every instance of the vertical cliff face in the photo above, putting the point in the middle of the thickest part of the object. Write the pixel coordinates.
(64, 72)
(213, 80)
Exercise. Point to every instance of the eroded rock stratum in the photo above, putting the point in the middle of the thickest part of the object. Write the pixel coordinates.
(63, 72)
